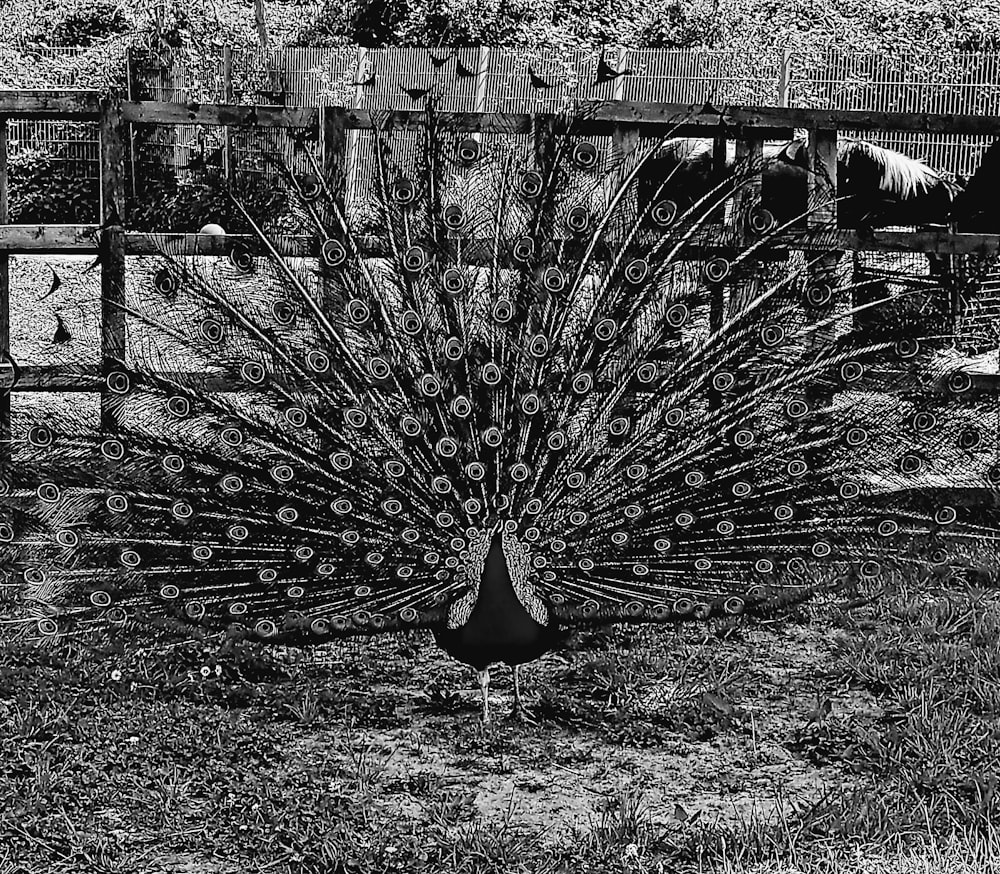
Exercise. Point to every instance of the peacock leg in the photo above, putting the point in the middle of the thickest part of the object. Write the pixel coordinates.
(484, 687)
(519, 711)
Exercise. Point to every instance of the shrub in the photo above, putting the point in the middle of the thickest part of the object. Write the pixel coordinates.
(44, 190)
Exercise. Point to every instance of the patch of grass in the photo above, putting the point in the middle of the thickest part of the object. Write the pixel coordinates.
(933, 658)
(215, 756)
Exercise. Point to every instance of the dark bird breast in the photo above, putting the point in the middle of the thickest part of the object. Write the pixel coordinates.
(499, 628)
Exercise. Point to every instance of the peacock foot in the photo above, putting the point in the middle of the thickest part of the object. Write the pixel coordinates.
(520, 713)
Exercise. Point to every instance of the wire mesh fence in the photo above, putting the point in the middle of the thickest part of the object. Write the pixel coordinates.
(490, 79)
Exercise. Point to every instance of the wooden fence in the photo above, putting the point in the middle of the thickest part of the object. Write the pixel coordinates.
(496, 80)
(622, 123)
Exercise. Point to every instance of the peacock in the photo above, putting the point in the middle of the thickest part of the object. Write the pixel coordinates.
(506, 397)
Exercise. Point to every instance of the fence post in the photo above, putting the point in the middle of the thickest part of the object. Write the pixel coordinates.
(784, 76)
(749, 153)
(822, 204)
(822, 178)
(112, 248)
(5, 431)
(720, 145)
(351, 153)
(618, 84)
(482, 77)
(227, 97)
(544, 142)
(132, 90)
(333, 148)
(624, 138)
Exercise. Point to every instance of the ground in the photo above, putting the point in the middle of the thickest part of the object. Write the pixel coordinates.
(847, 733)
(860, 735)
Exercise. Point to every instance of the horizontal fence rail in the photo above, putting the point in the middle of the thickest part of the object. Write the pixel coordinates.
(601, 119)
(495, 79)
(614, 121)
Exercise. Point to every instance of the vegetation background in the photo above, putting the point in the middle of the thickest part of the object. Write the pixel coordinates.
(750, 26)
(856, 736)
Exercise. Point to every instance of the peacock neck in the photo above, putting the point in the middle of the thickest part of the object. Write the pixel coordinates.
(498, 578)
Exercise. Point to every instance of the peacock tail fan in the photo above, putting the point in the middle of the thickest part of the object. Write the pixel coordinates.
(498, 330)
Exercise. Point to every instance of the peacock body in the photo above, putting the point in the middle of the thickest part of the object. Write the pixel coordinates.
(502, 403)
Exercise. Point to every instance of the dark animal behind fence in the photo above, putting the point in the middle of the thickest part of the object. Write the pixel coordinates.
(876, 187)
(977, 208)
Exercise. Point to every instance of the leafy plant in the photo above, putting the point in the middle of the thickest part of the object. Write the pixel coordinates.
(45, 190)
(165, 203)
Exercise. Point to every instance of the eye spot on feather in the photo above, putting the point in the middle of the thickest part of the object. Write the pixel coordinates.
(49, 493)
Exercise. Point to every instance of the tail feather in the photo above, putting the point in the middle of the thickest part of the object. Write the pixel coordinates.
(672, 439)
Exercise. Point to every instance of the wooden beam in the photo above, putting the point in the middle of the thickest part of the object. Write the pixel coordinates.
(543, 135)
(749, 158)
(232, 115)
(141, 243)
(738, 117)
(333, 143)
(227, 88)
(597, 117)
(659, 118)
(60, 377)
(465, 122)
(83, 239)
(624, 153)
(822, 179)
(88, 378)
(112, 246)
(482, 77)
(5, 432)
(941, 242)
(39, 239)
(78, 105)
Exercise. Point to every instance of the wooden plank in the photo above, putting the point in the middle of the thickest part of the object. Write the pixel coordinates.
(89, 378)
(78, 105)
(719, 144)
(466, 122)
(5, 432)
(821, 270)
(482, 77)
(227, 86)
(544, 148)
(822, 179)
(598, 116)
(133, 88)
(942, 242)
(750, 158)
(112, 247)
(784, 76)
(333, 143)
(624, 141)
(233, 115)
(138, 243)
(39, 239)
(737, 117)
